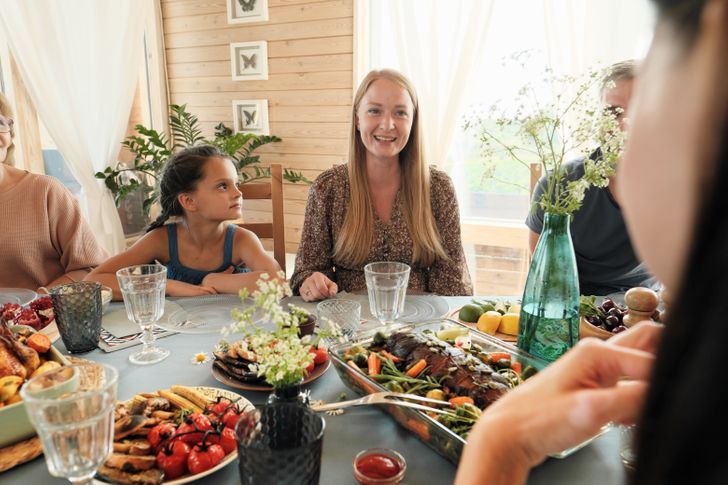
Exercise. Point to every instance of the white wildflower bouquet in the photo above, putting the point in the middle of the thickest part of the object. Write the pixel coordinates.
(554, 119)
(281, 355)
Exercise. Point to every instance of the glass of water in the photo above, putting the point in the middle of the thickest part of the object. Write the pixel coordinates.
(72, 409)
(142, 287)
(387, 287)
(345, 313)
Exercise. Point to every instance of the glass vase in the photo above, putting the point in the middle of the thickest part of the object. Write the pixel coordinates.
(293, 394)
(549, 322)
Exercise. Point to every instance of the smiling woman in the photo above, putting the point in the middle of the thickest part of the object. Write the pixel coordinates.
(384, 205)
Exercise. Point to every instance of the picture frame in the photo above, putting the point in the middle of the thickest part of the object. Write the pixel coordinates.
(251, 116)
(245, 11)
(249, 60)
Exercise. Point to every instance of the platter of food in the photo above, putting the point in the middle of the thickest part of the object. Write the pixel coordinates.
(442, 359)
(496, 317)
(234, 367)
(24, 353)
(173, 436)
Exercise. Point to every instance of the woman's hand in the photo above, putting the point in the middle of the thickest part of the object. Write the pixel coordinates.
(561, 407)
(179, 288)
(317, 287)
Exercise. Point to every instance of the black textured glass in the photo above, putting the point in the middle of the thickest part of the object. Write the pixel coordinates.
(77, 310)
(280, 444)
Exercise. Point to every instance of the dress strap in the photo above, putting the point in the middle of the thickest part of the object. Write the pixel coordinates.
(172, 243)
(228, 248)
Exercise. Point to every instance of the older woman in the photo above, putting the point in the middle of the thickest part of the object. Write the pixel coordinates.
(674, 174)
(384, 205)
(46, 241)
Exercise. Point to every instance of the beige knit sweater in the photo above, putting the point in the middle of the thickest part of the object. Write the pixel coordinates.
(44, 235)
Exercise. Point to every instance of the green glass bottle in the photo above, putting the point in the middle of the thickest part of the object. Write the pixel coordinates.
(549, 322)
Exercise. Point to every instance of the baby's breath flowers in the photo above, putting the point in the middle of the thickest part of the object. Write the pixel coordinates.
(281, 355)
(569, 124)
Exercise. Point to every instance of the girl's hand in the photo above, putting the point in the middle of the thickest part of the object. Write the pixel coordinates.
(562, 406)
(317, 287)
(179, 288)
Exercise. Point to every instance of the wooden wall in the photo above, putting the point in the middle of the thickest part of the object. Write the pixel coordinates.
(309, 87)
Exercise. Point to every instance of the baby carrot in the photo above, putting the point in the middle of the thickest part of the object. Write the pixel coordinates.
(415, 370)
(459, 400)
(389, 356)
(374, 364)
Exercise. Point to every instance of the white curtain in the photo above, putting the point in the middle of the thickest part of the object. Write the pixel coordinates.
(580, 34)
(435, 44)
(79, 60)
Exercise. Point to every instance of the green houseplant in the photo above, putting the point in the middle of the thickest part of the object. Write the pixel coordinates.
(152, 149)
(568, 124)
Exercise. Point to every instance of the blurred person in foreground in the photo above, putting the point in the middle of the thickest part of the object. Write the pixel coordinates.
(672, 175)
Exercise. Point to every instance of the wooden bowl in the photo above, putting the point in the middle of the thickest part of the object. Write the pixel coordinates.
(586, 329)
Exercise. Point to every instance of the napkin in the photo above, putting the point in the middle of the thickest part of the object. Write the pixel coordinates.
(119, 332)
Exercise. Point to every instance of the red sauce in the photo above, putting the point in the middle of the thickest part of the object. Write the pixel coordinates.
(378, 466)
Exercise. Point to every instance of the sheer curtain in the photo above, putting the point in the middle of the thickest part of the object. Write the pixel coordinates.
(579, 34)
(436, 45)
(79, 60)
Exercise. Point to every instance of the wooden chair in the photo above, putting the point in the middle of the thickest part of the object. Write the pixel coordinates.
(275, 229)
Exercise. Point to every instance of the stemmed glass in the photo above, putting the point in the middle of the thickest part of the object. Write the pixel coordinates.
(72, 409)
(142, 287)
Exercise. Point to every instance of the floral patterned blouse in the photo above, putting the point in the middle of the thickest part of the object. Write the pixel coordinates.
(328, 200)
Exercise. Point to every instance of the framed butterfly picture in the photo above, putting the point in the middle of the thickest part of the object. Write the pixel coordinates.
(249, 60)
(242, 11)
(251, 116)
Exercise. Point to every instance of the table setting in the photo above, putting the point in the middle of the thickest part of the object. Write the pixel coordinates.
(343, 443)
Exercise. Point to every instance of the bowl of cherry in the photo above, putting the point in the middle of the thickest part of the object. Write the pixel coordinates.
(379, 466)
(605, 321)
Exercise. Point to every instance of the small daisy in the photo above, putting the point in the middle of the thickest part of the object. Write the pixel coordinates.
(200, 358)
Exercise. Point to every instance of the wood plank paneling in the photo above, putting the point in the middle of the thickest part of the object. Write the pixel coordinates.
(309, 87)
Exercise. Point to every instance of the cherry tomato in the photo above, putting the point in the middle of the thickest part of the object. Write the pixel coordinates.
(160, 433)
(309, 369)
(194, 422)
(220, 407)
(321, 355)
(203, 457)
(228, 441)
(172, 459)
(230, 418)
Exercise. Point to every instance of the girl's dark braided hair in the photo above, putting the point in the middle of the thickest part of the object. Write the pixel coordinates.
(181, 174)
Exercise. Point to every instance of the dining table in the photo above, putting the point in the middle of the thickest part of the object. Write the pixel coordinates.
(345, 434)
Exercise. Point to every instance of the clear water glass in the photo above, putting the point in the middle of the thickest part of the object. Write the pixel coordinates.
(72, 409)
(387, 288)
(143, 287)
(344, 313)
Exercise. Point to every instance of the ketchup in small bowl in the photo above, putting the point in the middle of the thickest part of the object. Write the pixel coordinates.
(379, 466)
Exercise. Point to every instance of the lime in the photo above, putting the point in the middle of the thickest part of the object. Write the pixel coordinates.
(487, 307)
(470, 313)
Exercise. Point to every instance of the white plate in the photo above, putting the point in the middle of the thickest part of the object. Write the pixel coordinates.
(212, 392)
(208, 315)
(21, 296)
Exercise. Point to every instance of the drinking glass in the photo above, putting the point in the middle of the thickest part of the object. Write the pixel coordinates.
(72, 409)
(280, 443)
(387, 288)
(142, 287)
(627, 452)
(345, 313)
(77, 308)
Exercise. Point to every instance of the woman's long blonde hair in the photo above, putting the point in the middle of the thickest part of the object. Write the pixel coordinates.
(357, 231)
(7, 111)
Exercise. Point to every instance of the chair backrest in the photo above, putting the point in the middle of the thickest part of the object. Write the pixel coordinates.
(275, 229)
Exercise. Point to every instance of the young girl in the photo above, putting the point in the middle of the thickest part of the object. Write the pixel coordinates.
(204, 253)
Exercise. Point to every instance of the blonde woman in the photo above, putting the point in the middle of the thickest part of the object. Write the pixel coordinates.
(386, 204)
(46, 241)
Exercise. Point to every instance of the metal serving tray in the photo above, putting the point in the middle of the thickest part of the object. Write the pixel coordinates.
(431, 432)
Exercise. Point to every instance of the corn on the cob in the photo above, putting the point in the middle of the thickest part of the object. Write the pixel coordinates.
(192, 395)
(180, 401)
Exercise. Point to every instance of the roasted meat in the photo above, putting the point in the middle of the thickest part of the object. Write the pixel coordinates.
(461, 372)
(16, 359)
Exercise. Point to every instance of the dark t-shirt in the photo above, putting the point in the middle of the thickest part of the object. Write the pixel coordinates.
(604, 255)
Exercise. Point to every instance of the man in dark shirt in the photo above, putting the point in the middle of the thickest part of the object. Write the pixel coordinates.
(605, 258)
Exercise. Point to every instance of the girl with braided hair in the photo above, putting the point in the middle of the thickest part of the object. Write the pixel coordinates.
(203, 252)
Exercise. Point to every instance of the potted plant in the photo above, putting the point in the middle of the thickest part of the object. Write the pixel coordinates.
(152, 149)
(569, 124)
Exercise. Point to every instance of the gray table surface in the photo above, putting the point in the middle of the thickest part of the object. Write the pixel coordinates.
(345, 435)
